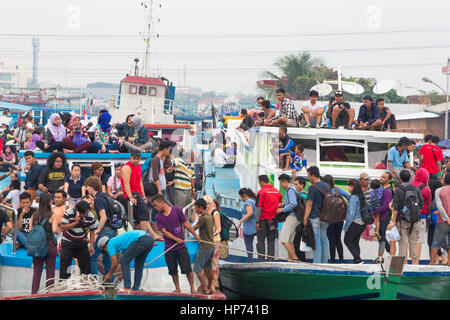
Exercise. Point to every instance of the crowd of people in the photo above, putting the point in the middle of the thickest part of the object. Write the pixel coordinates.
(373, 115)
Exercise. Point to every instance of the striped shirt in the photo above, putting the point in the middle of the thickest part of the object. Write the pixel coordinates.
(183, 174)
(79, 232)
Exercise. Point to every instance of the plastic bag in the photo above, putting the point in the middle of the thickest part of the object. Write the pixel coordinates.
(393, 234)
(304, 247)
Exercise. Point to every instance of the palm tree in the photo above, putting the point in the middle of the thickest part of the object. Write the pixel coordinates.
(295, 68)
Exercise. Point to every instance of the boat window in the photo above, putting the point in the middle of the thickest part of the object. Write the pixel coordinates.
(132, 89)
(143, 90)
(309, 146)
(377, 155)
(342, 151)
(152, 91)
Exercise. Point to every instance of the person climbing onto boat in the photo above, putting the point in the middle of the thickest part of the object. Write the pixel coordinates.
(75, 224)
(369, 116)
(312, 111)
(285, 149)
(314, 205)
(297, 160)
(105, 140)
(44, 216)
(384, 214)
(342, 114)
(387, 117)
(170, 221)
(268, 199)
(77, 138)
(137, 138)
(354, 225)
(441, 236)
(74, 186)
(248, 220)
(409, 232)
(290, 224)
(54, 136)
(334, 230)
(203, 258)
(288, 115)
(397, 158)
(132, 245)
(53, 175)
(421, 179)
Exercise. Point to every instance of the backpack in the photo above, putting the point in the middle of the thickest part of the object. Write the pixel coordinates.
(376, 198)
(334, 207)
(411, 210)
(36, 241)
(280, 217)
(118, 216)
(301, 207)
(366, 215)
(226, 225)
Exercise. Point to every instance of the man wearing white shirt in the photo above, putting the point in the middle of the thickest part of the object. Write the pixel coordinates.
(220, 158)
(312, 111)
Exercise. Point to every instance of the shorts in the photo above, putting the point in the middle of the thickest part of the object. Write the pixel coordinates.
(203, 259)
(178, 257)
(287, 233)
(140, 210)
(422, 231)
(291, 123)
(73, 201)
(441, 237)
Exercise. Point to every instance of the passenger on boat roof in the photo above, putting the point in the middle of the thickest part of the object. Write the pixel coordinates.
(54, 136)
(247, 122)
(327, 115)
(269, 112)
(123, 129)
(369, 116)
(312, 111)
(105, 140)
(386, 116)
(77, 138)
(288, 115)
(342, 114)
(137, 138)
(52, 177)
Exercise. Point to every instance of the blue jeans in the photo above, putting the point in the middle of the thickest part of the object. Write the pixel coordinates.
(22, 238)
(106, 260)
(320, 255)
(95, 147)
(248, 240)
(138, 251)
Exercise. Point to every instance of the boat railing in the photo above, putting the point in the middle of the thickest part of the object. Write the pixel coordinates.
(226, 201)
(13, 213)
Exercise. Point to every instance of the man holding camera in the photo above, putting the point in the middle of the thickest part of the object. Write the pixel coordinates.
(343, 114)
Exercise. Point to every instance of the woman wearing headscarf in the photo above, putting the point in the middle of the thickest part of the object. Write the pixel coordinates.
(77, 139)
(54, 136)
(137, 138)
(105, 140)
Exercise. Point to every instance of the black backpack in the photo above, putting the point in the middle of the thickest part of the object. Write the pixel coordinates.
(411, 210)
(118, 217)
(301, 208)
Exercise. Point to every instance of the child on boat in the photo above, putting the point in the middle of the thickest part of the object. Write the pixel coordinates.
(376, 198)
(297, 160)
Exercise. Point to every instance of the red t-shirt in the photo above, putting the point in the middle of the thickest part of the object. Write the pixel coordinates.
(269, 200)
(429, 162)
(135, 179)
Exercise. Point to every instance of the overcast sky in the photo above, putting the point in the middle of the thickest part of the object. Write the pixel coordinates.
(225, 45)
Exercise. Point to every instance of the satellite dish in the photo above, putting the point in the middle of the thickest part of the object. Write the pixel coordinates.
(405, 91)
(353, 88)
(323, 89)
(384, 86)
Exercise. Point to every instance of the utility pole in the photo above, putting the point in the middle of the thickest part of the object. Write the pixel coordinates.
(446, 99)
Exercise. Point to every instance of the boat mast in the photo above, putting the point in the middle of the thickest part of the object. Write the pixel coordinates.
(148, 6)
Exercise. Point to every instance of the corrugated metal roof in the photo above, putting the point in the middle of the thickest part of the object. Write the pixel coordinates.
(143, 80)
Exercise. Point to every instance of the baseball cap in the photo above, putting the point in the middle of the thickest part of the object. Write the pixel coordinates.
(101, 243)
(338, 93)
(119, 164)
(364, 175)
(151, 134)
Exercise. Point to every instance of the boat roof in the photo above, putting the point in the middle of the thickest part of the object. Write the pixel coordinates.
(342, 133)
(144, 80)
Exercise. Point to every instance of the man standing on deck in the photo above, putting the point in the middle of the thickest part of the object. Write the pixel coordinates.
(268, 199)
(170, 221)
(431, 157)
(157, 172)
(184, 186)
(441, 237)
(288, 115)
(133, 190)
(398, 158)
